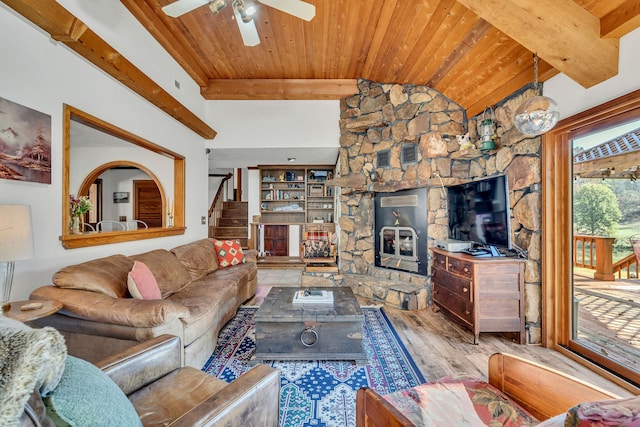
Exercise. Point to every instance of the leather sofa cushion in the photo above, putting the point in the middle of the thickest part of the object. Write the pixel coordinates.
(105, 275)
(239, 274)
(179, 392)
(170, 274)
(198, 257)
(208, 305)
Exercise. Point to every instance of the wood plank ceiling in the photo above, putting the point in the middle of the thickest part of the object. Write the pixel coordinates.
(476, 52)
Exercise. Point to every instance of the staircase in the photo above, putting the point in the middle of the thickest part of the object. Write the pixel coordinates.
(233, 223)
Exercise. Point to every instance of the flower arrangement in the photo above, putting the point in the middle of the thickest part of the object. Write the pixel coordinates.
(79, 206)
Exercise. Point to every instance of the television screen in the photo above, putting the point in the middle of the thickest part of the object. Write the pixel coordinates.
(479, 212)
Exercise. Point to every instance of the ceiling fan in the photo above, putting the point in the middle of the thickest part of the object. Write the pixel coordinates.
(243, 11)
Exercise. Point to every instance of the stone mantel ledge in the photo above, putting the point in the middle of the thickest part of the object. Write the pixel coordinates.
(357, 184)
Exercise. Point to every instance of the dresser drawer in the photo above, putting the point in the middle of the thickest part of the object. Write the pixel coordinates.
(461, 267)
(454, 304)
(454, 284)
(440, 261)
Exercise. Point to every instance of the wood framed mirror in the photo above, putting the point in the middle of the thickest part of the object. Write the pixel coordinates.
(130, 178)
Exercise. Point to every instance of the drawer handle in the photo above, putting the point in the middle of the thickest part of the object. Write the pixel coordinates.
(441, 262)
(465, 290)
(467, 312)
(466, 269)
(450, 265)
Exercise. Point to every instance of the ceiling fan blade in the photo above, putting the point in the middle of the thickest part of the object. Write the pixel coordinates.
(299, 8)
(248, 30)
(181, 7)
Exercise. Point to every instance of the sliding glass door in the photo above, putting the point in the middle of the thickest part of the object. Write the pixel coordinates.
(605, 288)
(591, 289)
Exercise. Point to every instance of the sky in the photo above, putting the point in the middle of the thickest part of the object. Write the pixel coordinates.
(606, 135)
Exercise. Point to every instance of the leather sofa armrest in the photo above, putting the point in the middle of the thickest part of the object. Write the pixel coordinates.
(144, 363)
(99, 307)
(251, 255)
(251, 400)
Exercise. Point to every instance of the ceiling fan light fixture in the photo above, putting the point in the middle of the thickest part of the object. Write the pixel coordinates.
(246, 12)
(250, 9)
(539, 114)
(217, 5)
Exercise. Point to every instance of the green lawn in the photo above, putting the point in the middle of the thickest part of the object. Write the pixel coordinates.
(622, 248)
(627, 230)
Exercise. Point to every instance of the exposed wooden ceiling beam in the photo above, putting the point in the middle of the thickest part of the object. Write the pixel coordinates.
(620, 163)
(559, 31)
(66, 28)
(621, 20)
(247, 89)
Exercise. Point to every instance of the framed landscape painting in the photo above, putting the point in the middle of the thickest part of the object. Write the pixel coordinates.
(121, 197)
(25, 143)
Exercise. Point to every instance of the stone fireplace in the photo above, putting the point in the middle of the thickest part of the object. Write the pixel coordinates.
(377, 126)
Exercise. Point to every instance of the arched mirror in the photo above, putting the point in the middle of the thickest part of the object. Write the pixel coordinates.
(136, 187)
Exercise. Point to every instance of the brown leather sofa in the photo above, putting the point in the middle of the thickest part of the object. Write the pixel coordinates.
(100, 318)
(164, 393)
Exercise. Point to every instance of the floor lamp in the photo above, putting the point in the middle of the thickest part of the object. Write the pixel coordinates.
(16, 243)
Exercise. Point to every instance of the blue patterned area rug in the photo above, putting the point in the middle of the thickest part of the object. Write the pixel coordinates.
(321, 393)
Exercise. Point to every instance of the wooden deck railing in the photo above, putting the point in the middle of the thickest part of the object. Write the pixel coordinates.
(626, 266)
(596, 253)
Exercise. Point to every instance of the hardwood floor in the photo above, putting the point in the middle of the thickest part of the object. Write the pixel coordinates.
(441, 347)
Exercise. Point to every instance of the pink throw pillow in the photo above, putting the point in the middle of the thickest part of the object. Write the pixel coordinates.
(141, 282)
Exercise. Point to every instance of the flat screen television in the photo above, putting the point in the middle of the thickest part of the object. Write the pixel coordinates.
(479, 212)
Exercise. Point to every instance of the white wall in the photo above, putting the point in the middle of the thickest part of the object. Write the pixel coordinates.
(275, 123)
(573, 98)
(84, 160)
(112, 21)
(119, 180)
(41, 74)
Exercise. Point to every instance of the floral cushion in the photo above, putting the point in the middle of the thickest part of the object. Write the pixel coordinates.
(229, 253)
(606, 413)
(459, 401)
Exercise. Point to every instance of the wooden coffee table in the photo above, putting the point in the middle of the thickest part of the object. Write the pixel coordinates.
(285, 331)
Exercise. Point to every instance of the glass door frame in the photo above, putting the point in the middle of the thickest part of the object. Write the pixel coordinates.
(557, 235)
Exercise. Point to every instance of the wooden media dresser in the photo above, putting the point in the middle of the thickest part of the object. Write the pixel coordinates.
(484, 294)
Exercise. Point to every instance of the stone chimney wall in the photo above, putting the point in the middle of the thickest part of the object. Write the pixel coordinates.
(388, 116)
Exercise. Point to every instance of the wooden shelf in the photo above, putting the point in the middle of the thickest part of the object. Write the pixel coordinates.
(303, 186)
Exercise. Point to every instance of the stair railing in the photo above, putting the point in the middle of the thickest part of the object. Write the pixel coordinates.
(215, 210)
(626, 265)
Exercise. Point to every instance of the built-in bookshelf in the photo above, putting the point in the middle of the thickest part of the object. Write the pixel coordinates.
(296, 195)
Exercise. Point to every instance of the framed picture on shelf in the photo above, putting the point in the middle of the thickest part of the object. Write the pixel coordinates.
(121, 197)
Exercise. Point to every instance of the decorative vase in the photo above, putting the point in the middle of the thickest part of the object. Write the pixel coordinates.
(75, 225)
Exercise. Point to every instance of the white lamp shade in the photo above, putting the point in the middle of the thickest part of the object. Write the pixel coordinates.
(16, 235)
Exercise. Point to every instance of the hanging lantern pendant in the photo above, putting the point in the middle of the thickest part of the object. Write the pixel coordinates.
(539, 114)
(487, 130)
